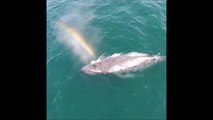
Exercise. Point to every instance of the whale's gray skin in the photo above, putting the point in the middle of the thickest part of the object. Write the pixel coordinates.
(121, 63)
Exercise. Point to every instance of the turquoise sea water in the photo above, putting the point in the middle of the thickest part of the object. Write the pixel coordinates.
(110, 26)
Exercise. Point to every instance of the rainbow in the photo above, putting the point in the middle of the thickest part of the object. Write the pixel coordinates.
(79, 38)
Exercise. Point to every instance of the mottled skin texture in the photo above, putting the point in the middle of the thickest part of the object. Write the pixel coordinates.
(107, 63)
(128, 63)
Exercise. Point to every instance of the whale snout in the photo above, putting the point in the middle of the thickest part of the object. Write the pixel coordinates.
(87, 70)
(84, 69)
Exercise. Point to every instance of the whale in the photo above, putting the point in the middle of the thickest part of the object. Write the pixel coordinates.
(120, 63)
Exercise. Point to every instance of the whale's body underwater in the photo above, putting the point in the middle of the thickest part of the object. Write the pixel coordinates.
(121, 63)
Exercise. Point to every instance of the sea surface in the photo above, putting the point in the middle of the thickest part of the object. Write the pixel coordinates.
(108, 27)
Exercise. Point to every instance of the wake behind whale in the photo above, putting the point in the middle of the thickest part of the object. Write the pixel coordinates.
(121, 63)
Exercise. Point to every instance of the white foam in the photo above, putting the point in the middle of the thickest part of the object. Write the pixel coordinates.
(117, 68)
(92, 62)
(115, 55)
(102, 56)
(133, 54)
(97, 71)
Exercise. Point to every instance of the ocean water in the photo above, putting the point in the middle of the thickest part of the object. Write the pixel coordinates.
(108, 27)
